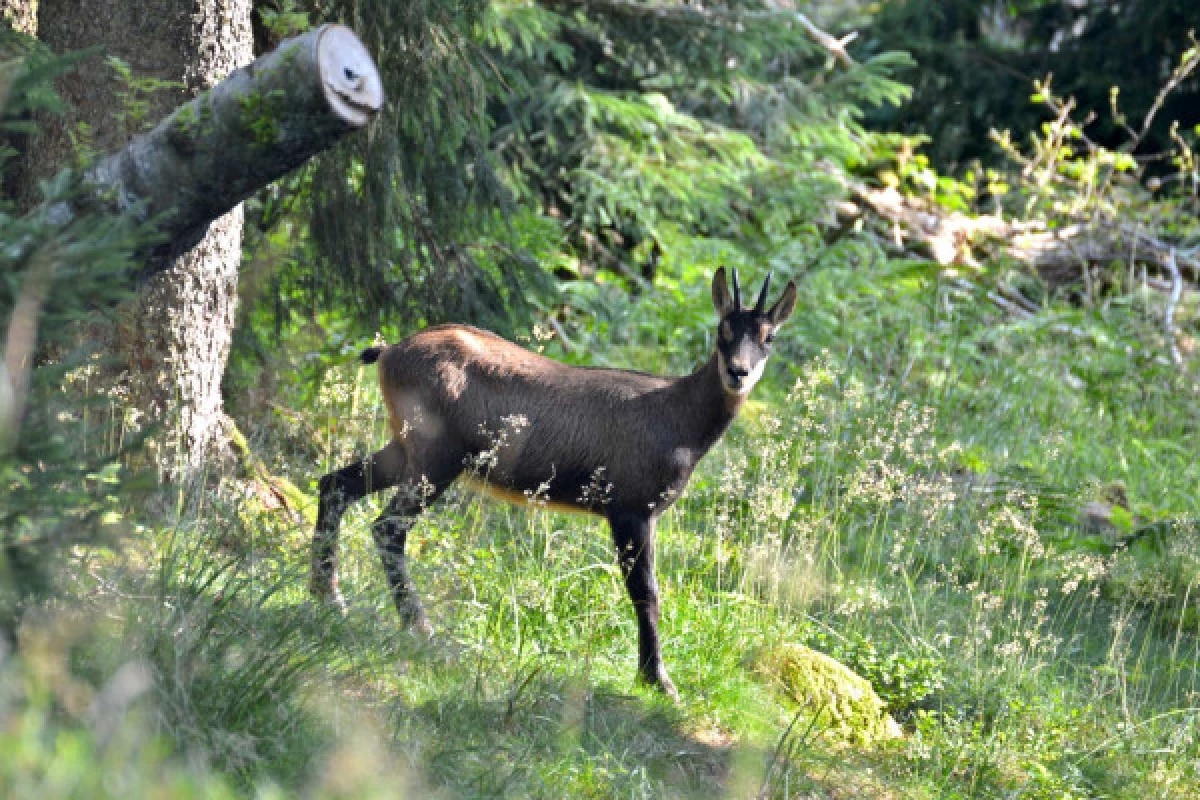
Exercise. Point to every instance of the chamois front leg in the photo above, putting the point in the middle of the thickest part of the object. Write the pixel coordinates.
(338, 490)
(633, 535)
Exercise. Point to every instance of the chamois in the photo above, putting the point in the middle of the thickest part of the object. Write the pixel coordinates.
(616, 443)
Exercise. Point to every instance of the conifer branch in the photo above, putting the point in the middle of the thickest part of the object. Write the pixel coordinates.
(721, 17)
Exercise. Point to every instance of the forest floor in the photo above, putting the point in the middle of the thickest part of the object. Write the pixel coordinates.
(908, 491)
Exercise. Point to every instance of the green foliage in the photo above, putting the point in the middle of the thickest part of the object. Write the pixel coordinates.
(902, 492)
(47, 759)
(389, 215)
(230, 662)
(276, 20)
(56, 266)
(618, 127)
(976, 62)
(902, 677)
(259, 115)
(631, 123)
(133, 96)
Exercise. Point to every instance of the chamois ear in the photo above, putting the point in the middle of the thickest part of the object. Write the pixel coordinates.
(784, 307)
(722, 300)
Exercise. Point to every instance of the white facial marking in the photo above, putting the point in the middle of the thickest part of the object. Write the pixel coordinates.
(747, 383)
(755, 373)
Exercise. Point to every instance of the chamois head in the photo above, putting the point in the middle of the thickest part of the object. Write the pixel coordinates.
(745, 335)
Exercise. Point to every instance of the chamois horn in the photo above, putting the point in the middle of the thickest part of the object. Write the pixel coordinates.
(762, 296)
(737, 291)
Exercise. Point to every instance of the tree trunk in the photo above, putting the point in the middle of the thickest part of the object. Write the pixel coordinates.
(209, 154)
(173, 344)
(21, 16)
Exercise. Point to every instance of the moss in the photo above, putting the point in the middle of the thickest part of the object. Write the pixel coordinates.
(191, 123)
(287, 493)
(260, 115)
(844, 706)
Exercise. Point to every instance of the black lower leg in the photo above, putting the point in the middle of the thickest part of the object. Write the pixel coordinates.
(390, 531)
(634, 538)
(337, 491)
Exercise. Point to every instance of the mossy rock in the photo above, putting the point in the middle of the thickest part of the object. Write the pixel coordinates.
(846, 707)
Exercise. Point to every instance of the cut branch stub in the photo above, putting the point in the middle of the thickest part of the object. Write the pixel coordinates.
(352, 84)
(257, 125)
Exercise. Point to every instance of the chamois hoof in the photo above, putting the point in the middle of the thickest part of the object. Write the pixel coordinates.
(662, 683)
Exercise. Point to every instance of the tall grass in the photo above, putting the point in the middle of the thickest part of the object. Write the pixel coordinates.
(904, 496)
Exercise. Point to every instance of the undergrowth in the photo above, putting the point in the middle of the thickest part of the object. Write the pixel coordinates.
(902, 493)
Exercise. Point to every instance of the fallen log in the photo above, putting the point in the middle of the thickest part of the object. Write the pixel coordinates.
(254, 127)
(1060, 256)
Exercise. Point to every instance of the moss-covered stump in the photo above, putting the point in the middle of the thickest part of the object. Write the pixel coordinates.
(839, 704)
(271, 492)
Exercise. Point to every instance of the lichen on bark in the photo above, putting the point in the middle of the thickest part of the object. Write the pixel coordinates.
(21, 14)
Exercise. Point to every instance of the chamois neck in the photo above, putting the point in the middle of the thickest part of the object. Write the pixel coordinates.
(711, 407)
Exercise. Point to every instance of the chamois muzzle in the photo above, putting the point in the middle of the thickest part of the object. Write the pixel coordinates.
(737, 374)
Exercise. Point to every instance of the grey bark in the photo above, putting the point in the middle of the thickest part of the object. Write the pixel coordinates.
(255, 126)
(173, 343)
(196, 165)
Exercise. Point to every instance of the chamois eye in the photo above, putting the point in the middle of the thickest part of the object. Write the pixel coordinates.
(770, 337)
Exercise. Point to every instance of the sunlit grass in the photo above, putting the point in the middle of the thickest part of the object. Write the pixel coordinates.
(913, 510)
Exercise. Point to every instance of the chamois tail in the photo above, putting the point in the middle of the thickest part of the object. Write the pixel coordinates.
(370, 355)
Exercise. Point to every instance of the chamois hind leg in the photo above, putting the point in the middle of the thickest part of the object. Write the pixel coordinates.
(633, 535)
(390, 531)
(338, 490)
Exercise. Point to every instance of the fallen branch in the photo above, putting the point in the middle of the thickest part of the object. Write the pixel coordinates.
(1055, 254)
(944, 237)
(957, 239)
(951, 238)
(258, 124)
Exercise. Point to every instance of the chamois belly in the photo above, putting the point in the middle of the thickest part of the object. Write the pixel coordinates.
(524, 497)
(588, 485)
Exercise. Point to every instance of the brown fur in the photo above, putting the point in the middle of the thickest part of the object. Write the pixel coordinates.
(552, 426)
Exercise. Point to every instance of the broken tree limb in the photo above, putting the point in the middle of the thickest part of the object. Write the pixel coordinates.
(258, 124)
(1063, 256)
(834, 46)
(1060, 256)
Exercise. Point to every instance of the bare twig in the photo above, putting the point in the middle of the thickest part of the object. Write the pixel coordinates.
(835, 47)
(1191, 60)
(725, 17)
(1169, 318)
(556, 326)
